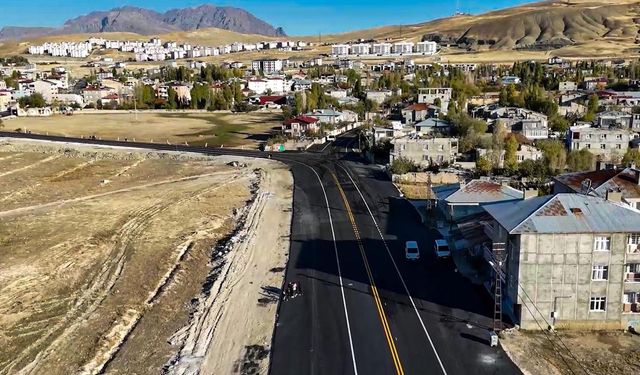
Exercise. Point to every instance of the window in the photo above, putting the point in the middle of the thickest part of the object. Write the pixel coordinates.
(630, 297)
(600, 273)
(618, 136)
(589, 136)
(603, 146)
(619, 146)
(602, 244)
(603, 136)
(634, 238)
(588, 145)
(598, 304)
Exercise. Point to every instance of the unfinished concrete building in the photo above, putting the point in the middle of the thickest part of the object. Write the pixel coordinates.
(572, 261)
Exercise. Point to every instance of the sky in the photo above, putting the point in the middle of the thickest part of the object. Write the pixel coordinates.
(296, 17)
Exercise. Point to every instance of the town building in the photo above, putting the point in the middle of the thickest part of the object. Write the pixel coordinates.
(621, 185)
(425, 152)
(605, 142)
(463, 199)
(267, 66)
(300, 125)
(569, 259)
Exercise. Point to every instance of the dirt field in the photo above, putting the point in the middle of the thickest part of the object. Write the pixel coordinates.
(599, 353)
(107, 256)
(220, 128)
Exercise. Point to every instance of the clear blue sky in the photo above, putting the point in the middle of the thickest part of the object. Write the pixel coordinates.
(296, 17)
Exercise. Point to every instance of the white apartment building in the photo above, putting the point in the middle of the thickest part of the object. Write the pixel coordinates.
(401, 48)
(381, 49)
(426, 48)
(361, 49)
(267, 66)
(340, 49)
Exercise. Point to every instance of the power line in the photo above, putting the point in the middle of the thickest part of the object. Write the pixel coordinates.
(555, 333)
(546, 335)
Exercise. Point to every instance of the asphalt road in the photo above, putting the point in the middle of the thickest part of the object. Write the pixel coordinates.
(364, 308)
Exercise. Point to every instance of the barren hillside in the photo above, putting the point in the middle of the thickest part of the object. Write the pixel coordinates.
(544, 25)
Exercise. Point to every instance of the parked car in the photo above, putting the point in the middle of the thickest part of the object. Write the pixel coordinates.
(441, 248)
(331, 138)
(411, 250)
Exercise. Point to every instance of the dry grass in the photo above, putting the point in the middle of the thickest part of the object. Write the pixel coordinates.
(219, 128)
(71, 273)
(602, 353)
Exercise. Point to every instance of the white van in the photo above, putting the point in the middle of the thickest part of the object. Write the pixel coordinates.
(331, 138)
(441, 247)
(411, 251)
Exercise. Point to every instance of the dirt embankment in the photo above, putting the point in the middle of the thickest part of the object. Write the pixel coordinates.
(106, 254)
(569, 353)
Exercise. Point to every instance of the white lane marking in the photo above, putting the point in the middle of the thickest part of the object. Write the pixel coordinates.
(424, 328)
(335, 249)
(325, 147)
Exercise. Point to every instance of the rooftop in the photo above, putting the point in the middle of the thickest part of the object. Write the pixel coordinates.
(477, 192)
(565, 213)
(626, 181)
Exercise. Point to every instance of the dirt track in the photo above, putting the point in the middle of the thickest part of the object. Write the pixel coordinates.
(103, 259)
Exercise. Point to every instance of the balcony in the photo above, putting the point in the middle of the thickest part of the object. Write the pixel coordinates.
(632, 277)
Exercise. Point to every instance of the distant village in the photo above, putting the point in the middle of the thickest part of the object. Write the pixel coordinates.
(485, 117)
(156, 50)
(512, 131)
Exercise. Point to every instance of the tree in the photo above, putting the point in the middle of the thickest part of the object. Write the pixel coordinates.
(510, 150)
(632, 156)
(298, 103)
(559, 123)
(35, 100)
(535, 169)
(402, 165)
(483, 165)
(578, 161)
(554, 154)
(592, 108)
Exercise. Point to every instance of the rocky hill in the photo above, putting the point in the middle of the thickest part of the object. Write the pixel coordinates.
(149, 22)
(545, 25)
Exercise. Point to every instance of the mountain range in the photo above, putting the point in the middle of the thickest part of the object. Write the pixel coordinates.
(149, 22)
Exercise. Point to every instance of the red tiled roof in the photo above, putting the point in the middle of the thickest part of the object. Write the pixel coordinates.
(277, 99)
(301, 119)
(417, 107)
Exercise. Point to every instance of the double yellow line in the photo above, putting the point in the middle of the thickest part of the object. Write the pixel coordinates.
(374, 291)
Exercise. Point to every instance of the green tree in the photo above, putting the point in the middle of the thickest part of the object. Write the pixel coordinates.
(172, 101)
(298, 103)
(559, 123)
(35, 100)
(632, 156)
(554, 154)
(402, 165)
(592, 108)
(580, 160)
(483, 165)
(510, 150)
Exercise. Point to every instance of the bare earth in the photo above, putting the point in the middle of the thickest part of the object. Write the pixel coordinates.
(217, 128)
(106, 254)
(599, 353)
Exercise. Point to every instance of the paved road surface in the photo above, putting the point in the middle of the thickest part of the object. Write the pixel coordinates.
(364, 308)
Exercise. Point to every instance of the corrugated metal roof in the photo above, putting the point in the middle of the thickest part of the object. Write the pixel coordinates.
(565, 213)
(479, 191)
(443, 192)
(603, 181)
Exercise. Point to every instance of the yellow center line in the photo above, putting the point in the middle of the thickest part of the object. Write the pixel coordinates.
(374, 290)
